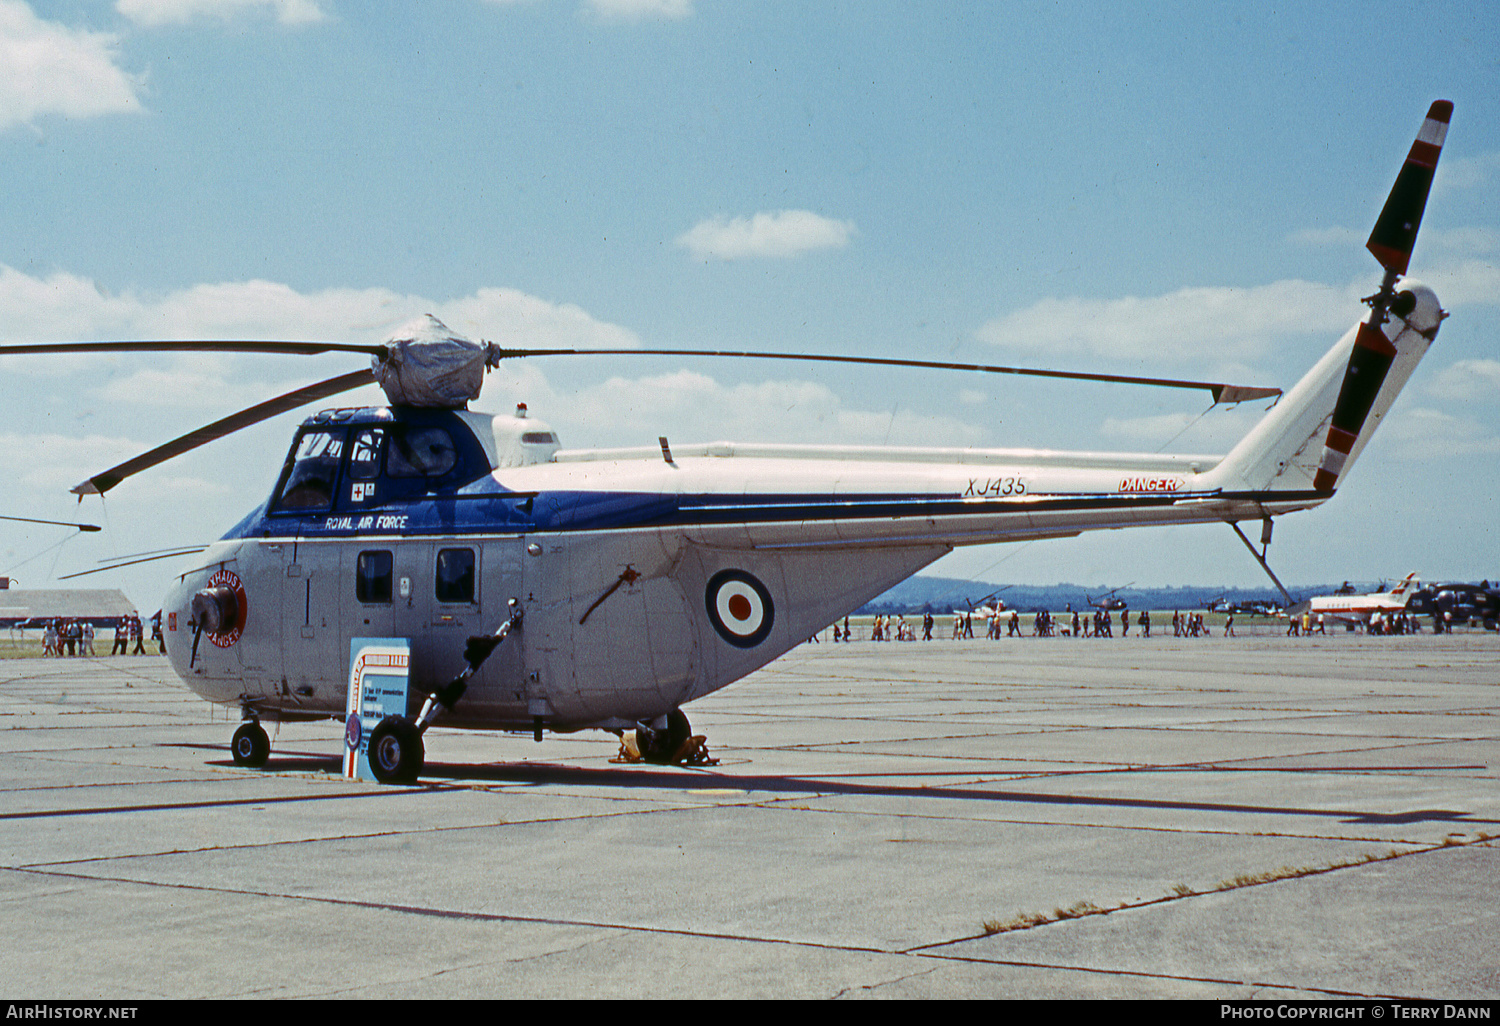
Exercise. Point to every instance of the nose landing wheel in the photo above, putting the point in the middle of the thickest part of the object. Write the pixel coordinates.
(396, 751)
(250, 745)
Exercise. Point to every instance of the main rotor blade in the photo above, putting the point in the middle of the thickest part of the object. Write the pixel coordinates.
(55, 523)
(1222, 392)
(1395, 231)
(133, 562)
(193, 346)
(101, 483)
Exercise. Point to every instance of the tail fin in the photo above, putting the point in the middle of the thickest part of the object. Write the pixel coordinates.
(1405, 585)
(1312, 437)
(1317, 431)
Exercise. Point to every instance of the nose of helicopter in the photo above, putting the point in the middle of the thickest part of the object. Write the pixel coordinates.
(177, 627)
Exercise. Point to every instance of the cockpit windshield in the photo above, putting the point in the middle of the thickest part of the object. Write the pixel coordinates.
(313, 476)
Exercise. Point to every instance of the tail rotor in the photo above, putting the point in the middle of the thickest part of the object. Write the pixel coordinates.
(1391, 242)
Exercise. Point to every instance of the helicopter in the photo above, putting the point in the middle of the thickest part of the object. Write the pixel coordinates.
(551, 590)
(988, 606)
(1107, 602)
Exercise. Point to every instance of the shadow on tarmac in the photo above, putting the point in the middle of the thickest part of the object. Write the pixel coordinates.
(435, 774)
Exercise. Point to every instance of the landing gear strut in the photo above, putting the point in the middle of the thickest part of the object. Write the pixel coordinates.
(396, 751)
(250, 746)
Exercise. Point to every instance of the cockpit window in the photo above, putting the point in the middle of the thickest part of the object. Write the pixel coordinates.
(420, 452)
(364, 454)
(314, 473)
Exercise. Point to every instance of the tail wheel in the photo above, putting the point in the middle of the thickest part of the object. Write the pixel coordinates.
(250, 746)
(396, 752)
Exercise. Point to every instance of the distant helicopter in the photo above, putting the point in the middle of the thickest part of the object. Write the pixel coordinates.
(1108, 603)
(988, 606)
(543, 589)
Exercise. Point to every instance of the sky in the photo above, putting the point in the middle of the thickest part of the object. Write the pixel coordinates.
(1175, 190)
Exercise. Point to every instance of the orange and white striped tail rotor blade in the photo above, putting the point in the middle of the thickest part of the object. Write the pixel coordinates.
(1395, 232)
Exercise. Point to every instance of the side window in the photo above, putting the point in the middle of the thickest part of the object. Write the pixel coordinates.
(420, 452)
(314, 472)
(455, 575)
(372, 579)
(364, 454)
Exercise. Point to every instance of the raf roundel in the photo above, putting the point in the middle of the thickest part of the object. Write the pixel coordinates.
(740, 608)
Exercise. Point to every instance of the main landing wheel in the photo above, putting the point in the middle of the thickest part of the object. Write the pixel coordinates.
(250, 746)
(664, 737)
(396, 751)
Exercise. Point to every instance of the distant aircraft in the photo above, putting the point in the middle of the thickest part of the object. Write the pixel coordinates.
(1350, 608)
(984, 609)
(1464, 603)
(1108, 603)
(1255, 607)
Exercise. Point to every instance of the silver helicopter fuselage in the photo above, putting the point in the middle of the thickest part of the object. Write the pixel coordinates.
(651, 577)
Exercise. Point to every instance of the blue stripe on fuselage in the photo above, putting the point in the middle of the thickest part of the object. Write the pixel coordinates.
(502, 512)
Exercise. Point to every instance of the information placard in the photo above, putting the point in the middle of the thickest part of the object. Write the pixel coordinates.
(377, 689)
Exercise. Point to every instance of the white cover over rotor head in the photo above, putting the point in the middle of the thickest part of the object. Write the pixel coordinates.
(429, 365)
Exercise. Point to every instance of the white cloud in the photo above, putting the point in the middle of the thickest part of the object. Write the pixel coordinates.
(700, 408)
(49, 68)
(49, 464)
(1189, 324)
(625, 11)
(782, 234)
(1421, 434)
(153, 13)
(1455, 174)
(62, 307)
(1467, 241)
(640, 10)
(1216, 432)
(1221, 324)
(1343, 238)
(1471, 282)
(50, 461)
(1467, 380)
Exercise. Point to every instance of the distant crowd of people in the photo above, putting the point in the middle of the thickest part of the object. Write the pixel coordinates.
(69, 636)
(1099, 623)
(1392, 623)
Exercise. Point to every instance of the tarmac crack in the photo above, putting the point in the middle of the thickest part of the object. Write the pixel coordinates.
(1026, 922)
(1173, 977)
(871, 987)
(455, 914)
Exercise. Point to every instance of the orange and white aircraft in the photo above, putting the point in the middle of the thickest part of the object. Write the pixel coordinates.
(1351, 609)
